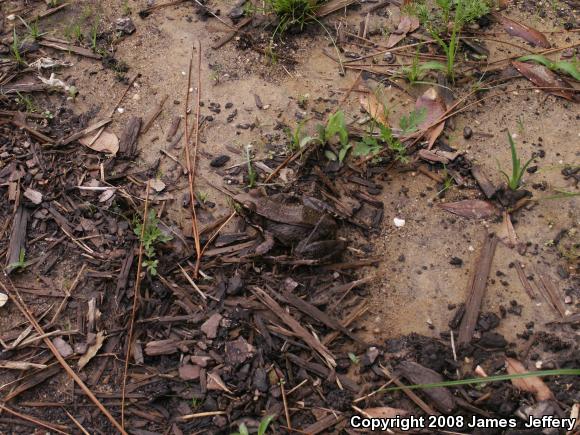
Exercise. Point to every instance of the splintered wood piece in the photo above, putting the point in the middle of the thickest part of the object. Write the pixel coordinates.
(81, 51)
(296, 327)
(153, 115)
(410, 393)
(486, 186)
(476, 289)
(323, 424)
(524, 280)
(17, 238)
(550, 292)
(128, 140)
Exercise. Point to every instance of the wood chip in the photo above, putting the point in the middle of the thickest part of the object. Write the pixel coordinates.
(532, 384)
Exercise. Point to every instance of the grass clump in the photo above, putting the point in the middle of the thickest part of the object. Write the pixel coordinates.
(292, 13)
(262, 428)
(515, 179)
(449, 14)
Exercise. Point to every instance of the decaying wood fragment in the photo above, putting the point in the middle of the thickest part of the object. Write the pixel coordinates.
(476, 289)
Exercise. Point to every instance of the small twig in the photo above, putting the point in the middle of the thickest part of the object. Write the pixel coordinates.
(31, 419)
(285, 402)
(190, 164)
(76, 422)
(136, 293)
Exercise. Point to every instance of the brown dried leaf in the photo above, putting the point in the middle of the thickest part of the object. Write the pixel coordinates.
(530, 34)
(471, 208)
(435, 108)
(371, 104)
(106, 143)
(544, 78)
(532, 384)
(406, 25)
(92, 350)
(384, 412)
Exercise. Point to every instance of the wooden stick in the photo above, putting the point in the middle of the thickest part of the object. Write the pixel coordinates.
(21, 305)
(136, 293)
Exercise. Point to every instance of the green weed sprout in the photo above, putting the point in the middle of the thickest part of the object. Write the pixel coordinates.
(292, 13)
(252, 175)
(152, 235)
(465, 11)
(515, 180)
(21, 264)
(15, 49)
(243, 429)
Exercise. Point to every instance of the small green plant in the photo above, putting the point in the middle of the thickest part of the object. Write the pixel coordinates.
(73, 32)
(292, 13)
(26, 101)
(447, 181)
(417, 71)
(15, 49)
(521, 126)
(515, 180)
(252, 175)
(262, 428)
(202, 197)
(570, 68)
(150, 237)
(95, 34)
(335, 127)
(21, 264)
(453, 13)
(354, 359)
(33, 29)
(126, 8)
(410, 123)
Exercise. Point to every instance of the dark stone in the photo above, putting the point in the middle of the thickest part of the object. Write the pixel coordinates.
(219, 161)
(456, 261)
(492, 340)
(467, 132)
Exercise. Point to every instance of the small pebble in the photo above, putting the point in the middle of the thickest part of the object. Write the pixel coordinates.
(219, 161)
(467, 132)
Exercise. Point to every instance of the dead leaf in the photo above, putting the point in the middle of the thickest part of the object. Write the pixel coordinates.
(63, 347)
(384, 412)
(106, 143)
(434, 107)
(371, 104)
(533, 384)
(544, 78)
(530, 34)
(508, 234)
(214, 382)
(106, 195)
(92, 350)
(471, 208)
(406, 25)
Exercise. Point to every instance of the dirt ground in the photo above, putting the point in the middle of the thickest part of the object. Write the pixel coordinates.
(424, 267)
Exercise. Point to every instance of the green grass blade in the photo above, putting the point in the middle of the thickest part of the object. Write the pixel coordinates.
(497, 378)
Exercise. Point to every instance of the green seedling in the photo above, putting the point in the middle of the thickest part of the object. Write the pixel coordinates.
(454, 13)
(521, 126)
(354, 359)
(335, 129)
(417, 71)
(515, 180)
(447, 182)
(252, 175)
(150, 237)
(26, 101)
(73, 32)
(15, 49)
(21, 264)
(202, 197)
(410, 123)
(126, 8)
(33, 30)
(262, 428)
(95, 34)
(570, 68)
